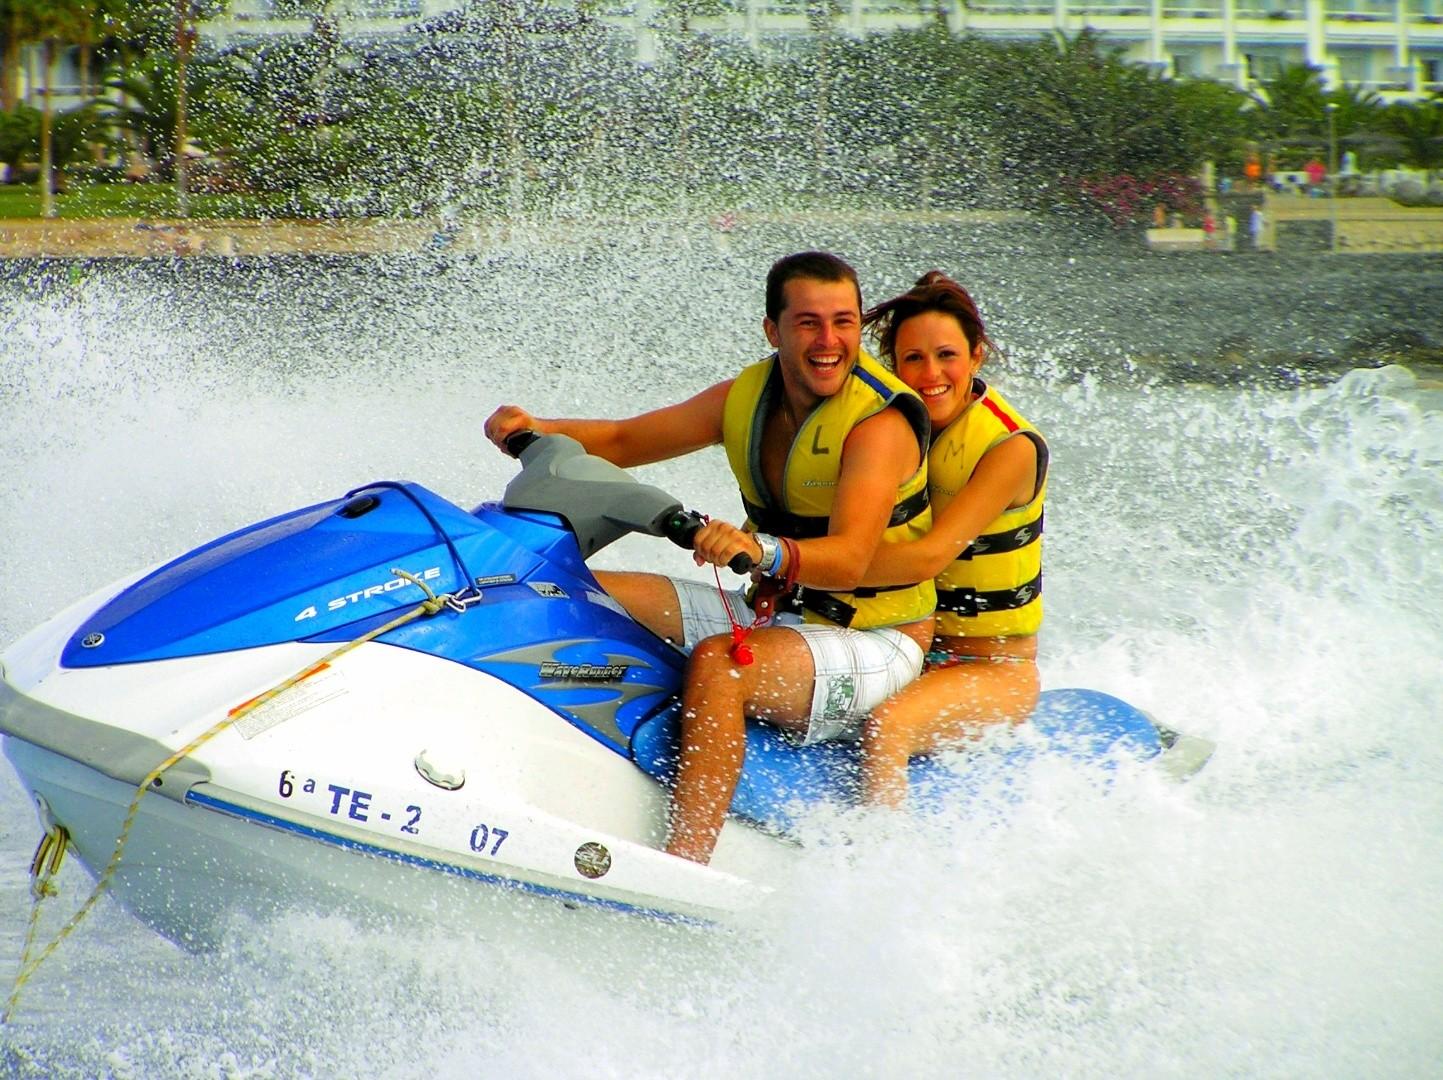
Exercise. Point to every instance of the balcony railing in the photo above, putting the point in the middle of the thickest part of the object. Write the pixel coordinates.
(1192, 9)
(309, 9)
(1281, 10)
(1109, 7)
(1011, 7)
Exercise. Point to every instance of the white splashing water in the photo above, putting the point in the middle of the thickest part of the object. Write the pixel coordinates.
(1258, 568)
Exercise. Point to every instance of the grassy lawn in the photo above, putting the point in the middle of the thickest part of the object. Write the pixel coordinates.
(137, 201)
(156, 201)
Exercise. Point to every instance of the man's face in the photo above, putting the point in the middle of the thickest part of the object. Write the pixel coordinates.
(817, 335)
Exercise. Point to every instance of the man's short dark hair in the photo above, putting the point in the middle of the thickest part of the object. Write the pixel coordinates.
(817, 265)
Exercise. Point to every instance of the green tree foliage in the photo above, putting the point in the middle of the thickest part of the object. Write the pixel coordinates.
(1082, 112)
(522, 104)
(50, 22)
(1219, 122)
(19, 135)
(148, 108)
(1418, 129)
(1293, 107)
(1294, 112)
(917, 120)
(73, 133)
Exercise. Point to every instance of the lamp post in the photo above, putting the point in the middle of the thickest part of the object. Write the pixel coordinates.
(1331, 108)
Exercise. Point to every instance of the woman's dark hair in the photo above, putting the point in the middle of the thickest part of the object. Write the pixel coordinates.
(934, 291)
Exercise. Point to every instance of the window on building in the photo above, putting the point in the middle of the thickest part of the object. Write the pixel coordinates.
(1432, 68)
(1186, 65)
(1355, 65)
(1263, 66)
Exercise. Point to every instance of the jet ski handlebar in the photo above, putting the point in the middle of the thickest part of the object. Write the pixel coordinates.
(600, 501)
(518, 441)
(681, 527)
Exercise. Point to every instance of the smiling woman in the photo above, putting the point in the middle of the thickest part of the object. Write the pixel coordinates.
(987, 477)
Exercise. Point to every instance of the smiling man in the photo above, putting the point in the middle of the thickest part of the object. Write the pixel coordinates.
(829, 450)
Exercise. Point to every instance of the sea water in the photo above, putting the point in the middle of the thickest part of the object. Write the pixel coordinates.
(1255, 566)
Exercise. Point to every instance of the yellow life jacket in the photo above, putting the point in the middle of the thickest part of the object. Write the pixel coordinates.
(809, 480)
(995, 588)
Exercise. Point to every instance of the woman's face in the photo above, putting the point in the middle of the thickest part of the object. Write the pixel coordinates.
(935, 359)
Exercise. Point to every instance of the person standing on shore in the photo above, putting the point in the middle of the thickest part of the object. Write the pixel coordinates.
(828, 448)
(987, 471)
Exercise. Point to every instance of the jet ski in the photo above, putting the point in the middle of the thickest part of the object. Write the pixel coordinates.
(389, 701)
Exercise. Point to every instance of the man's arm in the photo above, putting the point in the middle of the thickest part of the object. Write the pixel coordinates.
(655, 436)
(879, 455)
(1005, 477)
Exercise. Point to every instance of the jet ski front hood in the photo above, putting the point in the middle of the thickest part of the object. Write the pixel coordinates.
(293, 577)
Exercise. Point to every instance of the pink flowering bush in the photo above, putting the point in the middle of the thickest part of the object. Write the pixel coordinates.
(1128, 201)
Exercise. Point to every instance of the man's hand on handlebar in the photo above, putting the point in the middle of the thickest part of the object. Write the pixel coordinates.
(506, 421)
(720, 544)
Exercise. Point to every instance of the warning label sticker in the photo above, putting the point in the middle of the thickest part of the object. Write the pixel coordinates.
(325, 685)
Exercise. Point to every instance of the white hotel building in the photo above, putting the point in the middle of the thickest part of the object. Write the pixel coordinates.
(1393, 47)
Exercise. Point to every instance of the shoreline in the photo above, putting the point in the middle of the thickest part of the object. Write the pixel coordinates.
(134, 237)
(1364, 226)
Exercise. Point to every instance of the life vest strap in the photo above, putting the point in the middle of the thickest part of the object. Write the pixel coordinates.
(829, 606)
(1007, 540)
(807, 527)
(970, 602)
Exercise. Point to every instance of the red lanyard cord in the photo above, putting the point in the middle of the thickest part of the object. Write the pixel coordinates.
(764, 603)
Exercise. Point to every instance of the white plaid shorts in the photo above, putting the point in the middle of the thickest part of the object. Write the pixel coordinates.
(855, 670)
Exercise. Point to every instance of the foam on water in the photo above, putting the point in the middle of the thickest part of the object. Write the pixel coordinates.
(1254, 567)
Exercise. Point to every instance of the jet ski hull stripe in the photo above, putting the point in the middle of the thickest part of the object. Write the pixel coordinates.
(212, 803)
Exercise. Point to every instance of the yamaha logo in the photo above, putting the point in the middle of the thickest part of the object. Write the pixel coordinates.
(592, 860)
(90, 641)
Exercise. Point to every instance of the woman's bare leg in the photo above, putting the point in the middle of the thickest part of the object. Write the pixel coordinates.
(942, 707)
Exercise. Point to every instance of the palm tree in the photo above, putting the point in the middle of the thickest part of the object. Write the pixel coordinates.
(105, 23)
(1418, 127)
(1293, 111)
(148, 106)
(1082, 111)
(51, 21)
(16, 31)
(680, 14)
(174, 22)
(10, 43)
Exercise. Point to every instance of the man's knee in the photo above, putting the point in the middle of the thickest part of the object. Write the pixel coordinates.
(709, 658)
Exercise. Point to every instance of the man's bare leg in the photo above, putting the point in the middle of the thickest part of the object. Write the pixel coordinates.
(718, 697)
(650, 599)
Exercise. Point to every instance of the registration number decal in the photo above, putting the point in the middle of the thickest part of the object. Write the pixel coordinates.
(355, 804)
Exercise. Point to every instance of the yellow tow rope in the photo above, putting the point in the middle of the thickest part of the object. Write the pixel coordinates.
(52, 846)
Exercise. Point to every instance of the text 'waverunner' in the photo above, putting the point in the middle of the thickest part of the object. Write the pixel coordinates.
(514, 737)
